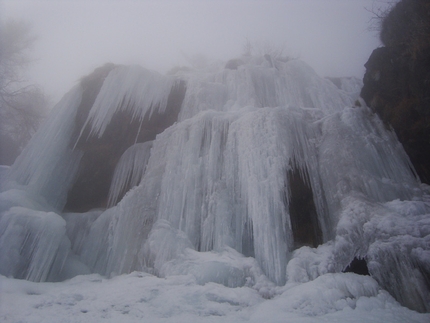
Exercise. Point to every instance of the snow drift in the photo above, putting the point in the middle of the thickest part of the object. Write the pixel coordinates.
(265, 174)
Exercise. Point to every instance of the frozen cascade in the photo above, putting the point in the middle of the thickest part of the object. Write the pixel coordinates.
(210, 195)
(47, 166)
(259, 85)
(221, 179)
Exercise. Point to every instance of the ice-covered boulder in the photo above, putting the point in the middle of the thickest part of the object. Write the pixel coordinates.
(33, 244)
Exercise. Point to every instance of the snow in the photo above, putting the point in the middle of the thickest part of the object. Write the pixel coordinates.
(198, 225)
(141, 297)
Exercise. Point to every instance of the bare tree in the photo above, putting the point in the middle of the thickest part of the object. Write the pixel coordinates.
(379, 10)
(22, 105)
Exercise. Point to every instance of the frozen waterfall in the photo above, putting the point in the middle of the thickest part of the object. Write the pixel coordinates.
(272, 170)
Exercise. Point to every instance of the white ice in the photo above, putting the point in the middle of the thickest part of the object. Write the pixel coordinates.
(39, 245)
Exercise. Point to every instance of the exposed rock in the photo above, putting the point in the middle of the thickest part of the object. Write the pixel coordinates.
(358, 266)
(397, 80)
(303, 214)
(101, 155)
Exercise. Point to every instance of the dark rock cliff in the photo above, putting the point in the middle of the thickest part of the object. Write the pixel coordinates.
(396, 84)
(101, 154)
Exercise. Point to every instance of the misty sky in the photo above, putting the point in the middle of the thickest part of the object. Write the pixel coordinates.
(75, 37)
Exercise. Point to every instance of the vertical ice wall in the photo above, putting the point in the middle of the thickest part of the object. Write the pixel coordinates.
(48, 164)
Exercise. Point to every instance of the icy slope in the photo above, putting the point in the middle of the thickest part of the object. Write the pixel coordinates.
(262, 160)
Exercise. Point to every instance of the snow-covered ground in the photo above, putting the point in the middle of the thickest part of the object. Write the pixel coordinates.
(141, 297)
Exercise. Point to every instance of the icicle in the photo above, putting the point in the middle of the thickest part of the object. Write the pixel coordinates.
(128, 88)
(129, 170)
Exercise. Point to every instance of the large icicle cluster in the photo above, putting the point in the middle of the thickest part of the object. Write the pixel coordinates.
(217, 182)
(136, 89)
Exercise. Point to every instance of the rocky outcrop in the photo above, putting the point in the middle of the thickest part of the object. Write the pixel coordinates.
(396, 84)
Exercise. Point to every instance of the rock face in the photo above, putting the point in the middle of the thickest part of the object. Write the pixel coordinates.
(397, 79)
(303, 214)
(101, 154)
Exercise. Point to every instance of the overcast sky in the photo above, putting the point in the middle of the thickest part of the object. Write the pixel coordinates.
(75, 37)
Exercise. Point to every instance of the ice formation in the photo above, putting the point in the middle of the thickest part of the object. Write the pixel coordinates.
(130, 170)
(211, 196)
(133, 88)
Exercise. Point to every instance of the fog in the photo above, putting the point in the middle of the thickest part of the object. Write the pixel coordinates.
(74, 37)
